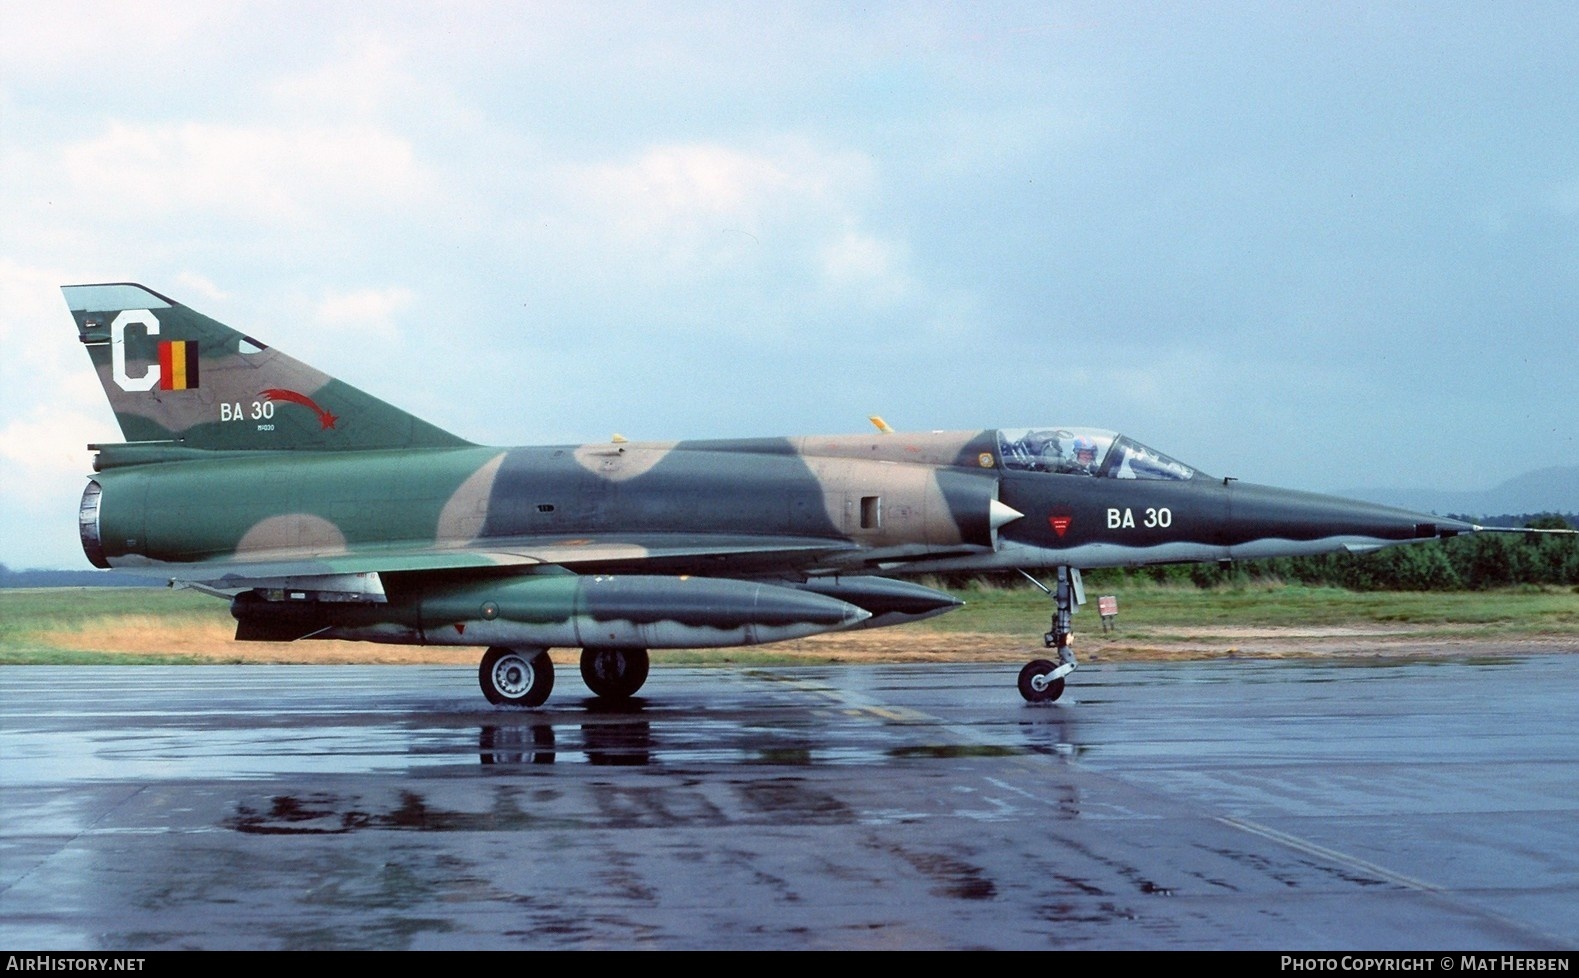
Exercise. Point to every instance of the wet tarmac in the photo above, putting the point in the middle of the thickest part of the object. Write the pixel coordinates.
(1297, 805)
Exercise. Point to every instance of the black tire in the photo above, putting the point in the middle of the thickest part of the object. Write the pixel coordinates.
(516, 677)
(1034, 668)
(614, 674)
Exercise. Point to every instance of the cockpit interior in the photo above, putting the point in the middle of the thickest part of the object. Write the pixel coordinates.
(1086, 451)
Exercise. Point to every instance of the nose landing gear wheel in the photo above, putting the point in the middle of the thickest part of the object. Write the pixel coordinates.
(516, 677)
(1042, 681)
(1034, 684)
(614, 674)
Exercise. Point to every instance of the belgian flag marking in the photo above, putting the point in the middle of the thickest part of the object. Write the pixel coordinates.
(178, 365)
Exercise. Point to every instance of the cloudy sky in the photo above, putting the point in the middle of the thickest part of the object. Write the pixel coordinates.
(1315, 245)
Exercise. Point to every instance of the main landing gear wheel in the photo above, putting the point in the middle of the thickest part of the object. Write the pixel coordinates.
(516, 677)
(1034, 684)
(614, 674)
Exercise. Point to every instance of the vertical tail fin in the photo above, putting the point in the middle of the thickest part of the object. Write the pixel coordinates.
(176, 376)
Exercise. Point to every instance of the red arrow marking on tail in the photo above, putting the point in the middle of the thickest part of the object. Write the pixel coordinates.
(324, 417)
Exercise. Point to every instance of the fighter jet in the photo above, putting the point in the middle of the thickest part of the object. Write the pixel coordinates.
(320, 511)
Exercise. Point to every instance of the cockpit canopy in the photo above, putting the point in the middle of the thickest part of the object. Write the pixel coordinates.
(1086, 451)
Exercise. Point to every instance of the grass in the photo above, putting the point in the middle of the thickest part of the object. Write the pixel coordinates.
(40, 626)
(148, 625)
(1153, 609)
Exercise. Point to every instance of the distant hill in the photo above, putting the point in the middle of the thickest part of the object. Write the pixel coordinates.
(1553, 490)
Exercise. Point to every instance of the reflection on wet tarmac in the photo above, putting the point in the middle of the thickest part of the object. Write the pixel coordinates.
(321, 813)
(629, 743)
(623, 734)
(1203, 805)
(516, 744)
(624, 743)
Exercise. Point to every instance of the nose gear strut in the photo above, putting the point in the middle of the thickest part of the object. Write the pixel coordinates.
(1041, 680)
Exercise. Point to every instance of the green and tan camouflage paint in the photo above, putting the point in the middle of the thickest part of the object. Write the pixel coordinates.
(329, 512)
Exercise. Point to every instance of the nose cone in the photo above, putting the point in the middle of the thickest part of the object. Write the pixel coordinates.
(1263, 518)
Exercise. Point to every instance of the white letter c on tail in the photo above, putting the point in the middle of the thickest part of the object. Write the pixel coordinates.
(132, 317)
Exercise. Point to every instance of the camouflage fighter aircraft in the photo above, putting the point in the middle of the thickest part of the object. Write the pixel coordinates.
(320, 511)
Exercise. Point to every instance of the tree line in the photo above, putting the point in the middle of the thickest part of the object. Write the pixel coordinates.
(73, 578)
(1470, 562)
